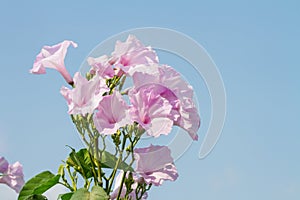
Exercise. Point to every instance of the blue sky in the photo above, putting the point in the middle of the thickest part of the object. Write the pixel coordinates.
(255, 45)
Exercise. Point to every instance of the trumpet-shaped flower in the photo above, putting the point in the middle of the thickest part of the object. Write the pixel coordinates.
(113, 113)
(53, 57)
(177, 92)
(11, 175)
(155, 164)
(131, 53)
(151, 110)
(85, 97)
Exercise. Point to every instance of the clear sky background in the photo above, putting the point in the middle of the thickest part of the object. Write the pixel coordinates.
(255, 45)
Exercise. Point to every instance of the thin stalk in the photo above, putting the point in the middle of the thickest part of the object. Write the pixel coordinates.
(96, 156)
(112, 177)
(121, 185)
(67, 185)
(122, 83)
(72, 179)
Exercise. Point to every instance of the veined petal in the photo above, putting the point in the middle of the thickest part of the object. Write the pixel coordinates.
(13, 176)
(155, 164)
(85, 97)
(132, 52)
(177, 92)
(101, 66)
(151, 110)
(113, 113)
(53, 57)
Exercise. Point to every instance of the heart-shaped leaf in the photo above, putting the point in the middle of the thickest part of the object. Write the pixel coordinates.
(38, 185)
(97, 193)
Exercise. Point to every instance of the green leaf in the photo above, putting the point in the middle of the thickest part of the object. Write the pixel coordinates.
(81, 162)
(66, 196)
(38, 185)
(108, 160)
(36, 197)
(81, 194)
(97, 193)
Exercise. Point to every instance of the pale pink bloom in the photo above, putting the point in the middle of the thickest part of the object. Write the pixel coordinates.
(53, 57)
(85, 97)
(155, 164)
(151, 110)
(150, 70)
(101, 66)
(131, 53)
(113, 113)
(12, 175)
(3, 165)
(177, 92)
(117, 186)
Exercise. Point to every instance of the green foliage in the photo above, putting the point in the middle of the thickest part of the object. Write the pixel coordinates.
(108, 160)
(66, 196)
(81, 194)
(82, 162)
(36, 197)
(35, 187)
(97, 193)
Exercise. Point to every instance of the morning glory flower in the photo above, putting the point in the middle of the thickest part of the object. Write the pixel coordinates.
(151, 110)
(112, 114)
(53, 57)
(179, 94)
(132, 52)
(11, 175)
(85, 96)
(155, 164)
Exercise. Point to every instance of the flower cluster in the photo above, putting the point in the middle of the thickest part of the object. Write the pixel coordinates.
(101, 109)
(11, 174)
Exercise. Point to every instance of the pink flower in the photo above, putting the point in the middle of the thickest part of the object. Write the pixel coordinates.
(53, 57)
(113, 113)
(131, 53)
(155, 164)
(151, 110)
(101, 66)
(12, 175)
(117, 186)
(85, 97)
(3, 165)
(177, 92)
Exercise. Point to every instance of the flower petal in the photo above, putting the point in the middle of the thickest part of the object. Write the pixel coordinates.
(113, 113)
(85, 97)
(53, 57)
(155, 164)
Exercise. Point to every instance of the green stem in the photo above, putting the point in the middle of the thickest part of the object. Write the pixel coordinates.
(99, 177)
(72, 178)
(65, 181)
(106, 182)
(121, 185)
(112, 177)
(122, 83)
(67, 186)
(80, 130)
